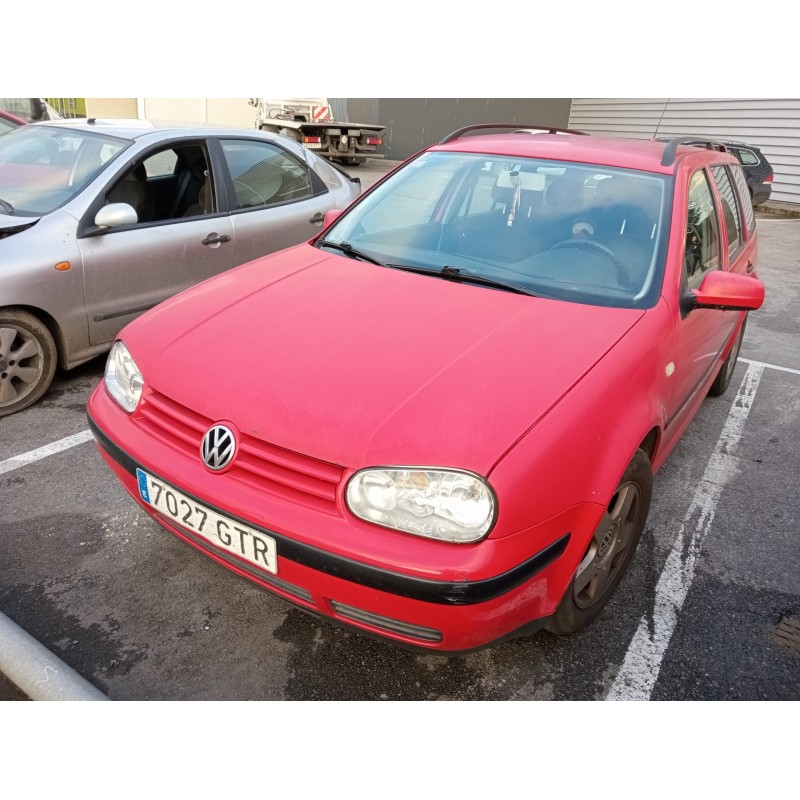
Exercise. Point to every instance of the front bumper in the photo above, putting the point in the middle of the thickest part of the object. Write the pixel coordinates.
(484, 593)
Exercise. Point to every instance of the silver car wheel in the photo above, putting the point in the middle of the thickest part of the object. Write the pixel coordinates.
(27, 360)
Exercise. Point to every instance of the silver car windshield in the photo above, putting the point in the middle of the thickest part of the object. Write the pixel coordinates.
(570, 231)
(42, 167)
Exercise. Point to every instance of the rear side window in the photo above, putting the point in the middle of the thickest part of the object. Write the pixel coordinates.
(730, 210)
(744, 197)
(264, 175)
(747, 157)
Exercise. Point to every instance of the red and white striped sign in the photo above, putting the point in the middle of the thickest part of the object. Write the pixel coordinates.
(321, 113)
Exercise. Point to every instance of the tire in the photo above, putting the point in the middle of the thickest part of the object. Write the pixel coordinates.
(723, 379)
(610, 550)
(27, 360)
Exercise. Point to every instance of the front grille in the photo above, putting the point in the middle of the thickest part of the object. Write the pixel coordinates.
(386, 623)
(259, 464)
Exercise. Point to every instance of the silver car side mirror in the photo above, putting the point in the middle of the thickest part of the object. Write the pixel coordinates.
(115, 214)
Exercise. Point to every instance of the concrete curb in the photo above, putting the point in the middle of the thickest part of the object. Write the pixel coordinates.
(382, 162)
(36, 671)
(779, 209)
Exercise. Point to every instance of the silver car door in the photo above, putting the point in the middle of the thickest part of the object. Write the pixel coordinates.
(276, 201)
(179, 240)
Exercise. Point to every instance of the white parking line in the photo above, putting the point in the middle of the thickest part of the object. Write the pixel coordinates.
(770, 366)
(42, 452)
(639, 671)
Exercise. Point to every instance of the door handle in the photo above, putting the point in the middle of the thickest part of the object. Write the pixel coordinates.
(318, 217)
(750, 266)
(215, 238)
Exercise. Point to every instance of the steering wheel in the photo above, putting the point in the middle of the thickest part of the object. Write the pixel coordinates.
(622, 274)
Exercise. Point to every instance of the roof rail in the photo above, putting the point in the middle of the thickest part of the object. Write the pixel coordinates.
(515, 128)
(672, 146)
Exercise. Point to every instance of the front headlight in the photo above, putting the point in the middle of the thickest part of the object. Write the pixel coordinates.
(123, 379)
(450, 505)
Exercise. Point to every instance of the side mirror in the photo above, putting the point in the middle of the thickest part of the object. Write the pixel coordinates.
(727, 291)
(330, 216)
(114, 215)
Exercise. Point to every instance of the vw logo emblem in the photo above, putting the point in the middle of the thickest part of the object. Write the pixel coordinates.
(218, 447)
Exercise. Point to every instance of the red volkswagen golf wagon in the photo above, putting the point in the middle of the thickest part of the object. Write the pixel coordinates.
(438, 421)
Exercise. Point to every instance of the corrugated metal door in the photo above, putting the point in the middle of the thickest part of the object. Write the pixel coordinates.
(414, 123)
(773, 125)
(113, 107)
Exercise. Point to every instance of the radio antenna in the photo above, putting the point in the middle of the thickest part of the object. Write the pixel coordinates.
(663, 111)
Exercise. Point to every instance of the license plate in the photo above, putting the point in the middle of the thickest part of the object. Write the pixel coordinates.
(223, 532)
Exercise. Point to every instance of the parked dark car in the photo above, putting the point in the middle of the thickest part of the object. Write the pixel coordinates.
(757, 169)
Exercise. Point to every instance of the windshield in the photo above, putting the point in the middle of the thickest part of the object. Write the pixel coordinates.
(43, 167)
(568, 231)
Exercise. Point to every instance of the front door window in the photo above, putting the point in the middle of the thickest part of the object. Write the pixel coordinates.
(702, 252)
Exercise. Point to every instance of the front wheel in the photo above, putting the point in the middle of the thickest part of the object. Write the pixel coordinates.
(610, 550)
(27, 360)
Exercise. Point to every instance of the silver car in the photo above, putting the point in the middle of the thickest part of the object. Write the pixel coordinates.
(102, 219)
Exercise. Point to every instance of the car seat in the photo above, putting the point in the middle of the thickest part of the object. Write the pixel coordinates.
(200, 189)
(132, 189)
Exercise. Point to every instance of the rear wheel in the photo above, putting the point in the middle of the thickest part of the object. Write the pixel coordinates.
(723, 379)
(27, 360)
(609, 551)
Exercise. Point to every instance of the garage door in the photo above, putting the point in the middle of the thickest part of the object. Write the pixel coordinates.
(114, 107)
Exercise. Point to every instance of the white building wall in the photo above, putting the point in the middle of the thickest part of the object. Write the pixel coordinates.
(233, 111)
(773, 125)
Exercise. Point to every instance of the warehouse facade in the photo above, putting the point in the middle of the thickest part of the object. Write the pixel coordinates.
(772, 125)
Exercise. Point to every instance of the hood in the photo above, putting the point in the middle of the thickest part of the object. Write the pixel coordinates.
(361, 365)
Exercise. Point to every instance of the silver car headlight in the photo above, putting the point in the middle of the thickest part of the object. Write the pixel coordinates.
(450, 505)
(123, 379)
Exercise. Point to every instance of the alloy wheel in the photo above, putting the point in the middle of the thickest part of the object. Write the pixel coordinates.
(605, 556)
(21, 364)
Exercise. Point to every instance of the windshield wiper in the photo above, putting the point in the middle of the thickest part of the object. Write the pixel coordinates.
(452, 273)
(7, 206)
(351, 251)
(458, 274)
